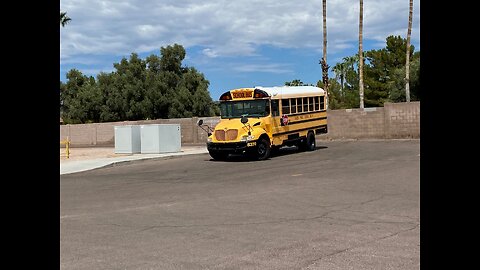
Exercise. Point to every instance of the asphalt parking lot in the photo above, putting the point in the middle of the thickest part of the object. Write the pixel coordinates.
(346, 205)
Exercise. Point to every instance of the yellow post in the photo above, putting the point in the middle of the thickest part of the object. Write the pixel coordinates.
(67, 146)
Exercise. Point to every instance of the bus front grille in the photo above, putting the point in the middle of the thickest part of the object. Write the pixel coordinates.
(230, 135)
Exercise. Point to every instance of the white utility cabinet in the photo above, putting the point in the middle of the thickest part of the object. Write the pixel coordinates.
(127, 139)
(160, 138)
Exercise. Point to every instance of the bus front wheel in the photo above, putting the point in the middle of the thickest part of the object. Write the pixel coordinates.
(262, 150)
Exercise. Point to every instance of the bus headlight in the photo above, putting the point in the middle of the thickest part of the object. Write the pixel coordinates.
(246, 138)
(209, 139)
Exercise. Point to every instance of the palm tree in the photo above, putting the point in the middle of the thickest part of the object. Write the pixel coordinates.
(407, 65)
(350, 61)
(323, 62)
(64, 19)
(340, 69)
(360, 54)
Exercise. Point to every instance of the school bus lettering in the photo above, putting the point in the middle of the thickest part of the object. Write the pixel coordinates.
(243, 94)
(255, 120)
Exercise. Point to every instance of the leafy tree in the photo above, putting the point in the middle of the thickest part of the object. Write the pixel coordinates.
(69, 92)
(339, 99)
(62, 91)
(396, 84)
(383, 70)
(296, 82)
(129, 79)
(172, 57)
(157, 87)
(351, 74)
(111, 108)
(340, 70)
(87, 104)
(378, 73)
(156, 101)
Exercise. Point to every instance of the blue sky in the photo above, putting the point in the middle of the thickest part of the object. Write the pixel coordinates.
(235, 44)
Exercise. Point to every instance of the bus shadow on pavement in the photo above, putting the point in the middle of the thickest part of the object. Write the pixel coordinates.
(284, 151)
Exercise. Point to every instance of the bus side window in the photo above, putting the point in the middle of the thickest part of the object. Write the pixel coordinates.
(322, 103)
(294, 105)
(317, 102)
(299, 105)
(285, 106)
(275, 107)
(310, 104)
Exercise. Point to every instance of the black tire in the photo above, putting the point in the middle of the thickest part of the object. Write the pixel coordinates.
(218, 155)
(262, 150)
(310, 142)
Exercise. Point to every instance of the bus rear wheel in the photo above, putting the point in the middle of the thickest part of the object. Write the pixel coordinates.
(308, 144)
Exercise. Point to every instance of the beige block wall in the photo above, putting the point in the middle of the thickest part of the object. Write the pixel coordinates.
(394, 120)
(402, 120)
(355, 123)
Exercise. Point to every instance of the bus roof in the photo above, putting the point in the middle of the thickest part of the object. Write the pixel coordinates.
(292, 91)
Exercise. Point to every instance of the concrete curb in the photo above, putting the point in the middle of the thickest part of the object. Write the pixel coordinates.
(85, 165)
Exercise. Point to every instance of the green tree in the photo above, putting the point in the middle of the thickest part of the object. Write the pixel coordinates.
(340, 70)
(157, 87)
(111, 108)
(131, 75)
(351, 74)
(339, 99)
(396, 85)
(156, 101)
(172, 57)
(381, 65)
(69, 92)
(87, 104)
(296, 82)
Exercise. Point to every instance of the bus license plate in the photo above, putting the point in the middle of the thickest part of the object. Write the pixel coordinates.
(251, 143)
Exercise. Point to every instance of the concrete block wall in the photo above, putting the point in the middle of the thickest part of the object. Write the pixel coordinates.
(402, 120)
(355, 123)
(394, 120)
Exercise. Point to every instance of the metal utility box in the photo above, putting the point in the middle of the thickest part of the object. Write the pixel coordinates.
(127, 139)
(160, 138)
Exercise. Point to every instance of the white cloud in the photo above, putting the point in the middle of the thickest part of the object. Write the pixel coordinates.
(210, 53)
(268, 68)
(225, 27)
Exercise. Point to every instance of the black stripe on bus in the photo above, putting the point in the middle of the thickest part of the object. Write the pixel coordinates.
(307, 120)
(297, 130)
(302, 113)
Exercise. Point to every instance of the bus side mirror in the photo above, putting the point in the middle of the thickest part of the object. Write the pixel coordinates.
(244, 119)
(208, 130)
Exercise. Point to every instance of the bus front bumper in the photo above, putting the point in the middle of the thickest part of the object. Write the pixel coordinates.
(234, 147)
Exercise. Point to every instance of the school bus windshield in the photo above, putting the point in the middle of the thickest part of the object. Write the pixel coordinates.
(249, 108)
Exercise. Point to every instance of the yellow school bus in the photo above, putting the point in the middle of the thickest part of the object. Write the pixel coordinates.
(256, 120)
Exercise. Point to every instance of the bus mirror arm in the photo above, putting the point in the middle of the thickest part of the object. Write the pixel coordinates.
(202, 126)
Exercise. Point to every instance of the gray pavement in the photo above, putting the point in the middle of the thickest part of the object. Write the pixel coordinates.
(92, 159)
(347, 205)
